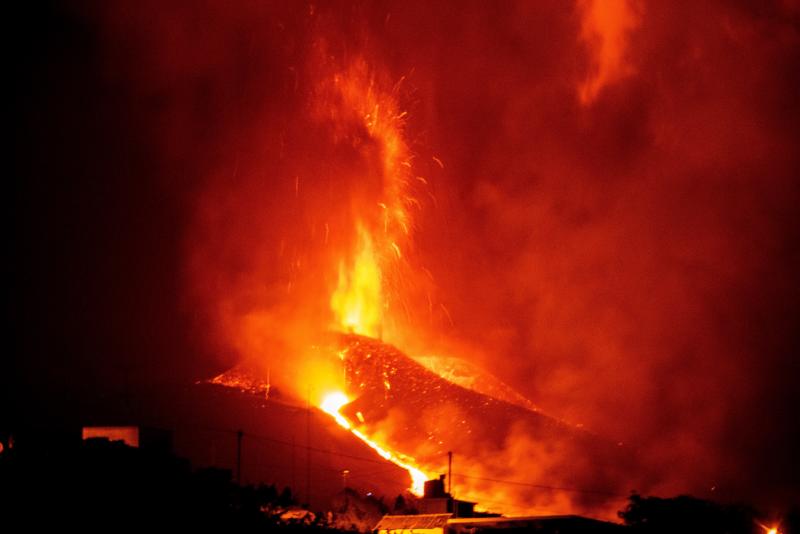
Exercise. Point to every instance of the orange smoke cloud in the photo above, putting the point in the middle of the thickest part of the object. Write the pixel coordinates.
(605, 29)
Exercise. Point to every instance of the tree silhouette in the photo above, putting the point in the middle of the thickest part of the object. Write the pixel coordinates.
(656, 515)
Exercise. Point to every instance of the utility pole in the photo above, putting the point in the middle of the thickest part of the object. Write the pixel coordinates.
(294, 477)
(450, 472)
(239, 435)
(308, 447)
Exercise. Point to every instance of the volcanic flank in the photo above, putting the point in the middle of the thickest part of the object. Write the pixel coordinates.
(508, 457)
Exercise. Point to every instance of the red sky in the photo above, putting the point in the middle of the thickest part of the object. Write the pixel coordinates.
(613, 231)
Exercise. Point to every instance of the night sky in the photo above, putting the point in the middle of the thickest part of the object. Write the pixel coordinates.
(613, 229)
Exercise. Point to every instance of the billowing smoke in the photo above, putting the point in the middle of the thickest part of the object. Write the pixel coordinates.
(607, 218)
(630, 257)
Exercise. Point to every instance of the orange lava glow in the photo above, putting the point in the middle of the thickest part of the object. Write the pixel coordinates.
(768, 529)
(357, 301)
(331, 405)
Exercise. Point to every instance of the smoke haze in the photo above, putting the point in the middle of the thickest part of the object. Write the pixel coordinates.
(607, 219)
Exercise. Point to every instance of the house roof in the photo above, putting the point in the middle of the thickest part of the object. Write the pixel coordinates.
(408, 522)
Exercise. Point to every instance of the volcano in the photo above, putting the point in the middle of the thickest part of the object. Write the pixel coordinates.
(509, 456)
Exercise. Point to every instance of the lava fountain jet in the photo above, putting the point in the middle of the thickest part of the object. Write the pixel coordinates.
(361, 300)
(358, 296)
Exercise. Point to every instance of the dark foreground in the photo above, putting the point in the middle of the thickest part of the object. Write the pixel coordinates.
(100, 485)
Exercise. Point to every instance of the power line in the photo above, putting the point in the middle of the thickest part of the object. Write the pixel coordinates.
(316, 449)
(505, 505)
(383, 462)
(262, 437)
(540, 486)
(485, 479)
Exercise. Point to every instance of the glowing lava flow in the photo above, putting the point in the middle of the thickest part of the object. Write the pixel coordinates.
(334, 402)
(768, 530)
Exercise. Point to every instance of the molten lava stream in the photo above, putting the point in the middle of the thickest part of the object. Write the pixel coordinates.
(334, 402)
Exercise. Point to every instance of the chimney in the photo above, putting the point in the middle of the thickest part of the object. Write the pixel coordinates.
(434, 489)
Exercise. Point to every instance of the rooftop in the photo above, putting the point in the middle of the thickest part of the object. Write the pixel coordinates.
(407, 522)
